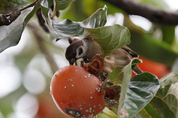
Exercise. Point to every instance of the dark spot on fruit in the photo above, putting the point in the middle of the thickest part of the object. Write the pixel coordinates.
(74, 113)
(56, 75)
(69, 104)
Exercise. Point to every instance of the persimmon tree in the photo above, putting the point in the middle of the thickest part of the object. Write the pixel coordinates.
(143, 95)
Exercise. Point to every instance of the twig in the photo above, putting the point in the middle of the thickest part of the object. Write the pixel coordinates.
(30, 5)
(41, 20)
(40, 42)
(151, 13)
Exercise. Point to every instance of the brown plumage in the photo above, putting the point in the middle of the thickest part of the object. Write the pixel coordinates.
(87, 48)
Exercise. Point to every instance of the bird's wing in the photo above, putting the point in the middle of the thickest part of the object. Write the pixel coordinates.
(131, 52)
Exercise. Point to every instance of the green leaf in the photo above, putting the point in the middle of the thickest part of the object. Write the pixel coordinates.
(15, 30)
(148, 112)
(166, 99)
(76, 13)
(114, 74)
(101, 115)
(13, 38)
(137, 93)
(165, 103)
(46, 3)
(162, 108)
(110, 37)
(168, 33)
(60, 4)
(7, 6)
(127, 72)
(159, 52)
(175, 66)
(142, 114)
(97, 19)
(142, 88)
(109, 113)
(152, 111)
(168, 80)
(67, 28)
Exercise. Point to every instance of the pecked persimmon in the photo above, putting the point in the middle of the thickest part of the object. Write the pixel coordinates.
(76, 92)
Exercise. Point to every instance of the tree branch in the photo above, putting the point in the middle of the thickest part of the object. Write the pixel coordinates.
(150, 13)
(30, 5)
(42, 47)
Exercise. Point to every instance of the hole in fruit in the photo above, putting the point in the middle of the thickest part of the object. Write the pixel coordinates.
(74, 113)
(110, 94)
(95, 64)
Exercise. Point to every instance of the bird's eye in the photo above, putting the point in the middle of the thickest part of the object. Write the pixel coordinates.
(74, 54)
(80, 51)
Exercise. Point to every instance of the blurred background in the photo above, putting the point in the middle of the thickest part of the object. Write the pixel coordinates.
(26, 69)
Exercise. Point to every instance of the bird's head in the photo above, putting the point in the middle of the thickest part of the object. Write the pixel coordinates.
(76, 50)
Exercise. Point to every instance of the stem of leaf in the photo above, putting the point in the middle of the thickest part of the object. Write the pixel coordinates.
(54, 9)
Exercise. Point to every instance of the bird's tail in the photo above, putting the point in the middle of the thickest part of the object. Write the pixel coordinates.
(137, 70)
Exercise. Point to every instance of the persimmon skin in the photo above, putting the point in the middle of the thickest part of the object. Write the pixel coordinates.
(76, 92)
(155, 68)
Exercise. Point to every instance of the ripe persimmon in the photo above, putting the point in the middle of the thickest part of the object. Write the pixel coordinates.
(155, 68)
(76, 92)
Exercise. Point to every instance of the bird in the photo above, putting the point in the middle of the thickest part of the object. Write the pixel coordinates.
(87, 47)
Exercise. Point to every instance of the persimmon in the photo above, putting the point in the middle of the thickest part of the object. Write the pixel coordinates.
(76, 92)
(155, 68)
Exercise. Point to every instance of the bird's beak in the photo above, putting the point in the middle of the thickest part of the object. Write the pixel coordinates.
(72, 61)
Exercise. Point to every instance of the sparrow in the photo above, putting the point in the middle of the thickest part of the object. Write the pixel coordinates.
(86, 48)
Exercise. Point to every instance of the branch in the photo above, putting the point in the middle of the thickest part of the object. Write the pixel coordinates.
(7, 19)
(30, 5)
(149, 12)
(44, 50)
